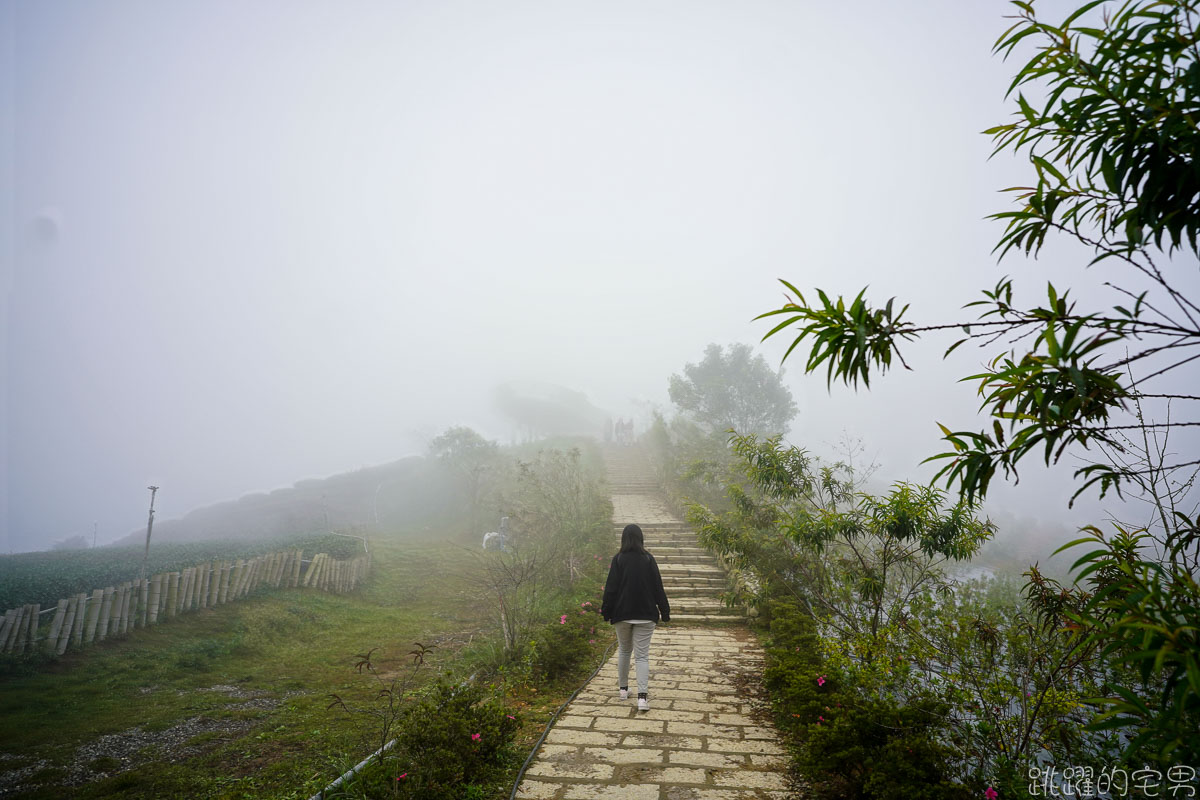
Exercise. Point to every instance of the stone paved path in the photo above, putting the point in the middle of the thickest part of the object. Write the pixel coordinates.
(699, 740)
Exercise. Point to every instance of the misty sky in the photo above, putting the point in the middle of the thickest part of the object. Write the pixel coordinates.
(256, 242)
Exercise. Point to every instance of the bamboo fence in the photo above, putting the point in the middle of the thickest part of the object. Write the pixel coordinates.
(115, 610)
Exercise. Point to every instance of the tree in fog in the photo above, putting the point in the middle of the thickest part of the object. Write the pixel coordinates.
(472, 459)
(734, 389)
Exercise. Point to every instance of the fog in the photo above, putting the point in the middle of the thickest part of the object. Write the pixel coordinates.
(252, 243)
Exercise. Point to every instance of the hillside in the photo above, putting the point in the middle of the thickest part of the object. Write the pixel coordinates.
(370, 497)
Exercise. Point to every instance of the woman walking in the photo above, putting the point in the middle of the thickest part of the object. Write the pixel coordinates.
(633, 598)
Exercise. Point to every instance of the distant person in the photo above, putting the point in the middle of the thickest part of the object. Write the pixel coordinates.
(633, 598)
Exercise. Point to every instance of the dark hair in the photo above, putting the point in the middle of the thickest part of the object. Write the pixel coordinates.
(632, 540)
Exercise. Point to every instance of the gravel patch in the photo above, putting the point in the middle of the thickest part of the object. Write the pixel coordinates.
(12, 781)
(129, 749)
(263, 703)
(233, 691)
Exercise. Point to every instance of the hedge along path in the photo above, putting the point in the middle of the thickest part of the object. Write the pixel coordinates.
(115, 610)
(699, 740)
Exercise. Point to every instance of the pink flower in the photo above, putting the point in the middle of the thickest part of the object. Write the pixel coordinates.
(991, 794)
(591, 641)
(821, 718)
(402, 777)
(821, 681)
(510, 716)
(475, 737)
(587, 603)
(562, 620)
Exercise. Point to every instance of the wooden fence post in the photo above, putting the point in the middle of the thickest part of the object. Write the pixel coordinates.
(105, 613)
(93, 616)
(172, 593)
(66, 633)
(155, 598)
(118, 609)
(18, 645)
(185, 585)
(114, 612)
(80, 619)
(211, 581)
(126, 599)
(60, 614)
(14, 616)
(6, 627)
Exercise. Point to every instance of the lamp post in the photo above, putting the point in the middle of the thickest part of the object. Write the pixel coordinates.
(149, 526)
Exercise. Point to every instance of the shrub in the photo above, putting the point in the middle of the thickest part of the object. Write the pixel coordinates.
(453, 738)
(852, 745)
(560, 646)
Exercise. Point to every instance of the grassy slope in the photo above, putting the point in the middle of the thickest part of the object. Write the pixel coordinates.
(294, 646)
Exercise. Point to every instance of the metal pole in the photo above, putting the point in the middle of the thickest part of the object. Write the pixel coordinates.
(149, 525)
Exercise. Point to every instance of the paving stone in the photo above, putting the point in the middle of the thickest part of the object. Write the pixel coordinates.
(697, 793)
(742, 746)
(574, 771)
(676, 716)
(663, 740)
(665, 775)
(758, 732)
(570, 736)
(558, 752)
(700, 705)
(730, 719)
(643, 725)
(537, 790)
(626, 709)
(750, 779)
(702, 729)
(573, 721)
(646, 791)
(705, 759)
(624, 755)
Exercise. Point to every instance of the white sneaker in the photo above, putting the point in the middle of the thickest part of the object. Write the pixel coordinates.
(643, 704)
(624, 694)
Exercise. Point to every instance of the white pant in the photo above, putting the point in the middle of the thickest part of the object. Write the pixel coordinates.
(634, 637)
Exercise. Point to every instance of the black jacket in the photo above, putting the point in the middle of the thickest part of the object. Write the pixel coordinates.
(634, 589)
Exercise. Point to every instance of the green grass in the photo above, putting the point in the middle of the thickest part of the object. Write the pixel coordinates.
(294, 647)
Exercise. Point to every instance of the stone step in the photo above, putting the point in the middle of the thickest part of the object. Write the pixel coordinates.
(704, 591)
(707, 618)
(705, 606)
(680, 550)
(665, 565)
(696, 581)
(690, 570)
(674, 590)
(668, 560)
